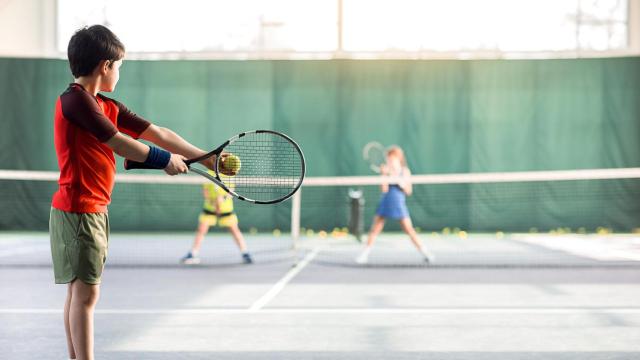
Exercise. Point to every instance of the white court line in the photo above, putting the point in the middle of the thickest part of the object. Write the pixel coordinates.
(345, 311)
(275, 290)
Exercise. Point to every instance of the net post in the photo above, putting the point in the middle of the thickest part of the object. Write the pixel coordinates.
(295, 218)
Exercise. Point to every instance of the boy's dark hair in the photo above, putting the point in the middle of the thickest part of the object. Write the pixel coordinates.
(90, 45)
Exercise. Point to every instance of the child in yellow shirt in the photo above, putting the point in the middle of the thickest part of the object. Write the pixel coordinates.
(217, 209)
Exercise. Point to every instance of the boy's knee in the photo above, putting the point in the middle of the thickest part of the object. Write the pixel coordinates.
(86, 299)
(85, 295)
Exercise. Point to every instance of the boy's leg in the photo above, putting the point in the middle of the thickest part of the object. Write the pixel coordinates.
(79, 244)
(83, 302)
(67, 328)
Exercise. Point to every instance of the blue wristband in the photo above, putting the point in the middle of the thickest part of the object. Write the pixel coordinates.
(157, 158)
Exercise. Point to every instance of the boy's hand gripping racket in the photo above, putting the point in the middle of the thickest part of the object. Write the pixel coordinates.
(260, 166)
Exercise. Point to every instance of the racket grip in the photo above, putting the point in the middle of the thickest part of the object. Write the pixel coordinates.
(130, 165)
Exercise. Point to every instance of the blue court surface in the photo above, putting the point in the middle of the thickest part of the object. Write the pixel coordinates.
(322, 309)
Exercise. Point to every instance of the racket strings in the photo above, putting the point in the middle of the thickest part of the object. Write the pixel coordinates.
(271, 166)
(375, 154)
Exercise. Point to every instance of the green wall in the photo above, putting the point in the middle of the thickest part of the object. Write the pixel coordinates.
(449, 116)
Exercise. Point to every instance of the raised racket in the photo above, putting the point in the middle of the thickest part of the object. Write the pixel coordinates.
(375, 155)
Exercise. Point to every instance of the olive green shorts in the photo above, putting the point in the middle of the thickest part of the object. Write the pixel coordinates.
(79, 243)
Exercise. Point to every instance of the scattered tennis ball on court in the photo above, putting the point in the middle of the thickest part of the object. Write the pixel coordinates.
(310, 232)
(231, 164)
(322, 234)
(462, 234)
(446, 231)
(276, 232)
(339, 233)
(499, 234)
(335, 232)
(253, 231)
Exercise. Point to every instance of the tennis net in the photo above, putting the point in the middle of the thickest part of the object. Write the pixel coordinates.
(552, 218)
(547, 218)
(152, 217)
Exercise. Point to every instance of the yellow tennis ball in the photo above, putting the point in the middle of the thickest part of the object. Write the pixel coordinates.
(231, 164)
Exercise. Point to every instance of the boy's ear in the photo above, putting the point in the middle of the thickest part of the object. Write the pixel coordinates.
(103, 66)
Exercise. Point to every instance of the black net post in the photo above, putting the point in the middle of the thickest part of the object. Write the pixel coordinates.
(356, 213)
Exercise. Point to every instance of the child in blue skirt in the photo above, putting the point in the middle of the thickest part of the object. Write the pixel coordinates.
(393, 204)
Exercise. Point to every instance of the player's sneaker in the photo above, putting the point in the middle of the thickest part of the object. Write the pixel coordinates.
(428, 256)
(363, 258)
(246, 258)
(190, 259)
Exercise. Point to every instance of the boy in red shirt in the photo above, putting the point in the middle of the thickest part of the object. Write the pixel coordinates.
(88, 129)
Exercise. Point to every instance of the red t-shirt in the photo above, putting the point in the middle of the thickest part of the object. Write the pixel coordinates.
(82, 123)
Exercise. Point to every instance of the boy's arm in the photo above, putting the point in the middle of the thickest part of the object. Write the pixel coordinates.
(137, 127)
(83, 110)
(134, 150)
(169, 140)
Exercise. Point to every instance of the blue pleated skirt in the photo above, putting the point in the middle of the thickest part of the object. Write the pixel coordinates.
(393, 204)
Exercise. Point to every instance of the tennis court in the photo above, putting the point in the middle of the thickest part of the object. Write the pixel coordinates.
(369, 179)
(317, 310)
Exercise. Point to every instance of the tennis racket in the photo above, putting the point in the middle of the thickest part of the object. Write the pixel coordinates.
(374, 154)
(270, 169)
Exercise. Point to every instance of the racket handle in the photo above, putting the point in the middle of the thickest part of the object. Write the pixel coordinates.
(130, 164)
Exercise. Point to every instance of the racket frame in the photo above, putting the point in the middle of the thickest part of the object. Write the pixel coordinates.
(366, 156)
(218, 181)
(220, 149)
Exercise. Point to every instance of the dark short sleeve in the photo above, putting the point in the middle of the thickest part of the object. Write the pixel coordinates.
(129, 122)
(82, 109)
